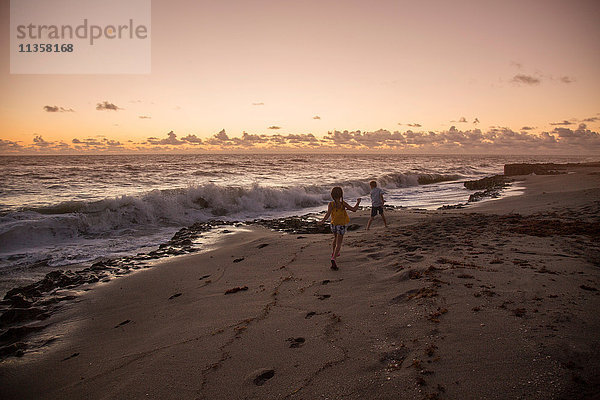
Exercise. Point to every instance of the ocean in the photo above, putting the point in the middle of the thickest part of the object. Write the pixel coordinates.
(62, 211)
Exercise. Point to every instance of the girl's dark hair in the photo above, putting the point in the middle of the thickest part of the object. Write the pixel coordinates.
(337, 194)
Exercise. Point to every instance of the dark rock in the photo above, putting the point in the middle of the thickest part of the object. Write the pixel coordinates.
(13, 315)
(14, 349)
(544, 169)
(452, 207)
(19, 300)
(13, 335)
(29, 291)
(298, 225)
(201, 202)
(526, 169)
(489, 182)
(491, 186)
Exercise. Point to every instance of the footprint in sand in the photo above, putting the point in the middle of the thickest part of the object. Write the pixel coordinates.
(262, 245)
(175, 295)
(237, 260)
(123, 323)
(296, 342)
(323, 296)
(310, 314)
(264, 376)
(236, 289)
(72, 355)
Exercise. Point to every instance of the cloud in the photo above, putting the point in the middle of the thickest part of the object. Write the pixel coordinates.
(580, 136)
(258, 104)
(476, 121)
(462, 120)
(107, 106)
(316, 117)
(170, 141)
(144, 117)
(566, 79)
(218, 139)
(40, 142)
(274, 127)
(192, 139)
(53, 109)
(222, 135)
(112, 143)
(97, 145)
(276, 141)
(39, 145)
(591, 119)
(9, 146)
(497, 139)
(564, 122)
(415, 125)
(525, 79)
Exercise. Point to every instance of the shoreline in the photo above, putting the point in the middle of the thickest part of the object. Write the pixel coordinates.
(420, 303)
(174, 247)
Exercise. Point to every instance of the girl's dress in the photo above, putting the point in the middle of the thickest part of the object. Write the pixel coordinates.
(339, 219)
(339, 216)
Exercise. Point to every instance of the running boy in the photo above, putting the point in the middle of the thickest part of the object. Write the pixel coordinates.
(376, 203)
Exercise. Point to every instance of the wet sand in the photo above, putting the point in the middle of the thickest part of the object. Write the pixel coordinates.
(495, 301)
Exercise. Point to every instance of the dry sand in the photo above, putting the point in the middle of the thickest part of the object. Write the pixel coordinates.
(498, 301)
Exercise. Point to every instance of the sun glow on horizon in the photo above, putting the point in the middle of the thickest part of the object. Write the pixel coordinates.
(329, 76)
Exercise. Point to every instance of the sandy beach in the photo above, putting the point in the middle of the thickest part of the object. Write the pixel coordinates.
(495, 301)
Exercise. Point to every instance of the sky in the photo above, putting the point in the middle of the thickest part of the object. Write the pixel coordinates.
(473, 76)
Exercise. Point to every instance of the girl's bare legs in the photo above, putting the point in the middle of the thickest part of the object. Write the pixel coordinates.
(338, 245)
(333, 244)
(335, 247)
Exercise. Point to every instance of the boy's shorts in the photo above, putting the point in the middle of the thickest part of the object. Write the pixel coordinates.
(375, 210)
(339, 229)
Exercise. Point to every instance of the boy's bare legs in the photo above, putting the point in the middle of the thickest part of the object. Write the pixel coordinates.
(384, 220)
(369, 223)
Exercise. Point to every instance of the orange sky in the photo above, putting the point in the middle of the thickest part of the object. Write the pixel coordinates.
(291, 74)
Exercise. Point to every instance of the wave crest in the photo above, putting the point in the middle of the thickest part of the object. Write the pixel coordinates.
(177, 207)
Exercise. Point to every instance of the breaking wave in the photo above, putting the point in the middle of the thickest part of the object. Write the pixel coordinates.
(175, 208)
